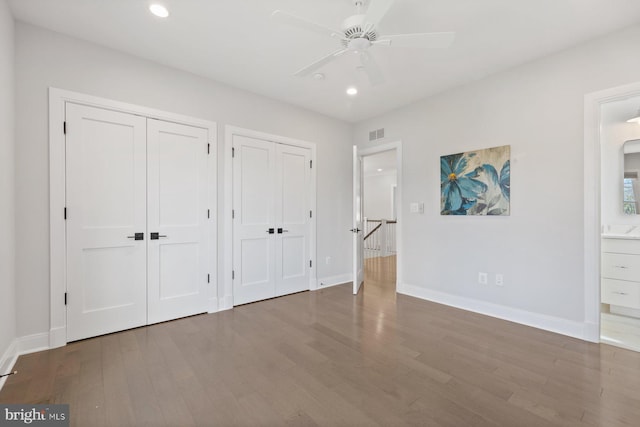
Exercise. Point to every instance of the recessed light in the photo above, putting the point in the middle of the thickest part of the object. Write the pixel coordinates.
(379, 170)
(159, 10)
(352, 91)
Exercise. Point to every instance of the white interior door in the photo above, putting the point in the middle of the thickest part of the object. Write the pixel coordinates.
(176, 220)
(254, 229)
(106, 209)
(357, 230)
(293, 177)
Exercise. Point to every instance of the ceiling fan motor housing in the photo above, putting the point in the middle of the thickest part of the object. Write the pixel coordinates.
(353, 29)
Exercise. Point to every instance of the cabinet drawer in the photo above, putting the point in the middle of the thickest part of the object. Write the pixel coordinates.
(621, 266)
(618, 292)
(621, 246)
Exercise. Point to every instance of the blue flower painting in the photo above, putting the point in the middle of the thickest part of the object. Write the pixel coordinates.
(476, 182)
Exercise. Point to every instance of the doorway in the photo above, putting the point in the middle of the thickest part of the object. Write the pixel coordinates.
(601, 247)
(620, 221)
(378, 203)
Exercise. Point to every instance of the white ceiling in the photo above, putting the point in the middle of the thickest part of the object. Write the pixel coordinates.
(385, 160)
(236, 42)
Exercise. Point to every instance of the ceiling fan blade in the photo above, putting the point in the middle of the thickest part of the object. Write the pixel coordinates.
(305, 24)
(420, 40)
(377, 10)
(371, 69)
(319, 63)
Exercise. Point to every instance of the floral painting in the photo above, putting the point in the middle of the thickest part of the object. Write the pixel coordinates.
(476, 182)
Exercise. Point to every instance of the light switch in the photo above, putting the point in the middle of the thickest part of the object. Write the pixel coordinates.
(416, 207)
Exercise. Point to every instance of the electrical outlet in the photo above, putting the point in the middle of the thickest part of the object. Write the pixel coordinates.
(482, 278)
(499, 279)
(327, 260)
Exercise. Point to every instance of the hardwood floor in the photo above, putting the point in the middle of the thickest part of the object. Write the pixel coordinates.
(329, 358)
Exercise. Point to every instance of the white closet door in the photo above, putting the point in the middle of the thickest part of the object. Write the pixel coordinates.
(177, 220)
(293, 176)
(254, 220)
(105, 199)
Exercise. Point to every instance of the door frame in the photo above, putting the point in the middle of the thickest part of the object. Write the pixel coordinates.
(592, 210)
(57, 188)
(226, 301)
(397, 147)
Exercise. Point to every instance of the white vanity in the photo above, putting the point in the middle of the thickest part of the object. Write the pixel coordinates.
(620, 286)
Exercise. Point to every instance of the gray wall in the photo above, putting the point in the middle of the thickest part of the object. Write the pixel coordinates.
(377, 194)
(45, 59)
(538, 109)
(7, 186)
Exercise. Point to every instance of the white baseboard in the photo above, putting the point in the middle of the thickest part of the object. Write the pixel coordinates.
(227, 303)
(32, 343)
(327, 282)
(8, 360)
(213, 305)
(19, 347)
(57, 337)
(558, 325)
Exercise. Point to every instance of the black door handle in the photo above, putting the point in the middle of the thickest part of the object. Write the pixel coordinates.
(355, 230)
(156, 236)
(280, 231)
(271, 230)
(136, 236)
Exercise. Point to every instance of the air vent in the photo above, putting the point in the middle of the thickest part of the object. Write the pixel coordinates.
(376, 134)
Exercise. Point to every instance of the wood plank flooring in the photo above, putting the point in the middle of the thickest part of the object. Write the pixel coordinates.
(329, 358)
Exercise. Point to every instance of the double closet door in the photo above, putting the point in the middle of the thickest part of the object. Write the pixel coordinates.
(271, 219)
(136, 198)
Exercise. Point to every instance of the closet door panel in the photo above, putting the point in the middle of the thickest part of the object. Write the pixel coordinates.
(254, 220)
(106, 205)
(177, 220)
(293, 175)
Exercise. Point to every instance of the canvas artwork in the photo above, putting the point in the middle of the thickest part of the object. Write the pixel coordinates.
(476, 182)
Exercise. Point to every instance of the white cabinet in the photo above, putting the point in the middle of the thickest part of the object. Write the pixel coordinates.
(620, 284)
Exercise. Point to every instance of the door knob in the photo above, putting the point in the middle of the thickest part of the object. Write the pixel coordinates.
(355, 230)
(136, 236)
(271, 230)
(280, 231)
(156, 236)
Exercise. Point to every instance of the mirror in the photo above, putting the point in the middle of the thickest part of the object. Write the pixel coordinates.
(631, 182)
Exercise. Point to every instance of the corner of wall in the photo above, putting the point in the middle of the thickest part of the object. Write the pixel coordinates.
(7, 188)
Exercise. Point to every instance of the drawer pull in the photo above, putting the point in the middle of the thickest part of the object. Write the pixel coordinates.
(619, 293)
(620, 266)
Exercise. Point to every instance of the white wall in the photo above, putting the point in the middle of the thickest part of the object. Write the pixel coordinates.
(378, 195)
(538, 109)
(7, 192)
(614, 132)
(45, 58)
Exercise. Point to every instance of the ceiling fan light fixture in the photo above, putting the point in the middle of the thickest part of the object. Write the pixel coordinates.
(159, 10)
(352, 91)
(635, 119)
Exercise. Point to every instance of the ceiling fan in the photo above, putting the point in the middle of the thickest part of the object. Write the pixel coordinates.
(359, 33)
